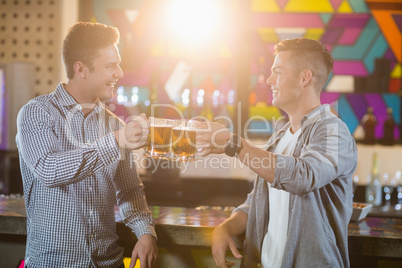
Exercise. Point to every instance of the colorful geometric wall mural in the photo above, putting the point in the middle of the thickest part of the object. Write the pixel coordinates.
(357, 32)
(351, 107)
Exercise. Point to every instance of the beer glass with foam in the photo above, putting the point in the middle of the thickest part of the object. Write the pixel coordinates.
(160, 138)
(183, 140)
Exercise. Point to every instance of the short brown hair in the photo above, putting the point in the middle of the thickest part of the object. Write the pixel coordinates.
(83, 41)
(309, 54)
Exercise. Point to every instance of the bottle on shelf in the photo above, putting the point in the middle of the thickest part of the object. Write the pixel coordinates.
(389, 125)
(369, 121)
(374, 188)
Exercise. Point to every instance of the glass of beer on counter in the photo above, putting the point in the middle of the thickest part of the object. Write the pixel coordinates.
(160, 138)
(183, 140)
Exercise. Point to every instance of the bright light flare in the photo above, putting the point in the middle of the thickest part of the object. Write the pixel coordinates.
(193, 21)
(186, 97)
(200, 97)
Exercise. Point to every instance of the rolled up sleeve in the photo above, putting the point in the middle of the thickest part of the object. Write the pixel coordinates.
(327, 154)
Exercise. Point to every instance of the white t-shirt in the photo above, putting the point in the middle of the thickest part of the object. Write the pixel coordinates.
(275, 238)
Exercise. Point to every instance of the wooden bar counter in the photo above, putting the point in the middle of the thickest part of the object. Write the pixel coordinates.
(184, 234)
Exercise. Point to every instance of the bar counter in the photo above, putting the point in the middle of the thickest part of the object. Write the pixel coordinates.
(182, 229)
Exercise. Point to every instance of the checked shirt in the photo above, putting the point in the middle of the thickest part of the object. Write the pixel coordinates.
(74, 173)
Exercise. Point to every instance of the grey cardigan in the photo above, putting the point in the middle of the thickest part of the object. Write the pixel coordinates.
(319, 179)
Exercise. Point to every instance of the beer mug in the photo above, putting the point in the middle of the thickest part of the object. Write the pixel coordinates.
(183, 140)
(159, 139)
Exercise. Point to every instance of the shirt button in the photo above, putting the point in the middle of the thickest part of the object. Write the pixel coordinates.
(92, 236)
(91, 212)
(89, 188)
(113, 159)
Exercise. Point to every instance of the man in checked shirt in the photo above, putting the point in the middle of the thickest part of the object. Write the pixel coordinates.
(76, 163)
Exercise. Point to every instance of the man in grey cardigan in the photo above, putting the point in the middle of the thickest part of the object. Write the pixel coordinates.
(298, 212)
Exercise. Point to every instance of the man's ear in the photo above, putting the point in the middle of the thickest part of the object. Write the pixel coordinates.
(306, 77)
(80, 69)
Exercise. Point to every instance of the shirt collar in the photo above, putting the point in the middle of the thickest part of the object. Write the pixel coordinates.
(68, 101)
(315, 115)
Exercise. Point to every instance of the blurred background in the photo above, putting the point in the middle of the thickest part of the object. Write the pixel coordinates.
(211, 58)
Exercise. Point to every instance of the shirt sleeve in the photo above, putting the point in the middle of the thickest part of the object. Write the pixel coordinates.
(41, 150)
(131, 199)
(245, 207)
(328, 153)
